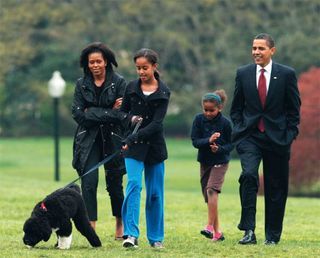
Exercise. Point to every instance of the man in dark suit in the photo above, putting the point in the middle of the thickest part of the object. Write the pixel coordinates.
(266, 113)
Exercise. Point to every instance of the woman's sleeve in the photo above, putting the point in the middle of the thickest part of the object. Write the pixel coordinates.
(78, 108)
(125, 106)
(92, 116)
(101, 115)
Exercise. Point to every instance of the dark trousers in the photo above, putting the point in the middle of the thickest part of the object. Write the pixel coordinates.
(275, 159)
(89, 185)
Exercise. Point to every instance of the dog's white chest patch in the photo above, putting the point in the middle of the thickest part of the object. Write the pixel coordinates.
(64, 242)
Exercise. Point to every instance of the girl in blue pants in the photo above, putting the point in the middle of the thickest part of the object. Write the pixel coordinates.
(145, 99)
(154, 182)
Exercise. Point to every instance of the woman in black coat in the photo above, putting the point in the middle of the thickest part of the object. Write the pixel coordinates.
(97, 99)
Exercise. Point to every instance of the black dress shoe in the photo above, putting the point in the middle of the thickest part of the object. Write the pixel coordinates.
(249, 238)
(270, 242)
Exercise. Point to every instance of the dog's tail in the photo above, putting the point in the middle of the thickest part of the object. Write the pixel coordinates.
(75, 187)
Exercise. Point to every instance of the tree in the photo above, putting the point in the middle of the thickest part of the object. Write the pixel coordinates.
(200, 44)
(305, 158)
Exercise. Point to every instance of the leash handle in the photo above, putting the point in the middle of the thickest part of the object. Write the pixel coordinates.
(135, 129)
(137, 125)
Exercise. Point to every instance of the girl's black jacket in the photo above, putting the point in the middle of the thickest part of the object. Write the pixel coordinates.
(95, 116)
(202, 129)
(148, 144)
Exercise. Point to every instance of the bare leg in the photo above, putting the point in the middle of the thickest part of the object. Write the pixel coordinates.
(93, 224)
(216, 224)
(119, 227)
(213, 209)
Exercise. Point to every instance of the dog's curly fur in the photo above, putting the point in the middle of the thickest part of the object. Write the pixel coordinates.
(55, 212)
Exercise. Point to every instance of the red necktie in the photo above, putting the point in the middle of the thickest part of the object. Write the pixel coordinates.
(262, 88)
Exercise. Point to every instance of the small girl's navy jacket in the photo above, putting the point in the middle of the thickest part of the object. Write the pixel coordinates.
(202, 129)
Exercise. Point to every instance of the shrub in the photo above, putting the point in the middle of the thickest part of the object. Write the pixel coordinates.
(305, 160)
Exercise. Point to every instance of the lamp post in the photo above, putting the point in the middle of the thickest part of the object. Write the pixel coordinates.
(56, 87)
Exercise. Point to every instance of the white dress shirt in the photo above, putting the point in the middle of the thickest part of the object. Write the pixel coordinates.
(267, 73)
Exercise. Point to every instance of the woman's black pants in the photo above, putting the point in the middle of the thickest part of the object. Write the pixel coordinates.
(89, 185)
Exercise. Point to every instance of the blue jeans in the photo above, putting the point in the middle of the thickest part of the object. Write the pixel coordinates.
(154, 181)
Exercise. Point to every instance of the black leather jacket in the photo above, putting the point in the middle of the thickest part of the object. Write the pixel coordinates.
(95, 116)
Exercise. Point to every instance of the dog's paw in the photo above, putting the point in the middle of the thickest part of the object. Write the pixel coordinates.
(63, 247)
(64, 242)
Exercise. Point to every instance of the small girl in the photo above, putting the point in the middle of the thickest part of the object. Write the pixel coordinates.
(211, 135)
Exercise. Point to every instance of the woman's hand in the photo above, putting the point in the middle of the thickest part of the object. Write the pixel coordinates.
(117, 103)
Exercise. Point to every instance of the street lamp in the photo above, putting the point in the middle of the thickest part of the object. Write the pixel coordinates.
(56, 87)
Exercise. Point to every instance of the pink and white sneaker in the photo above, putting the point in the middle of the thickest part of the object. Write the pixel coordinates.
(218, 236)
(207, 231)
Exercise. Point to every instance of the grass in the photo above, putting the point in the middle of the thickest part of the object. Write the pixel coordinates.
(26, 176)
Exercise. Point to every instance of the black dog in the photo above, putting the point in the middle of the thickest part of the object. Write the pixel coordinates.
(54, 214)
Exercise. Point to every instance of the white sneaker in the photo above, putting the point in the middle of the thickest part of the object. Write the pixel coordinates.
(130, 242)
(157, 245)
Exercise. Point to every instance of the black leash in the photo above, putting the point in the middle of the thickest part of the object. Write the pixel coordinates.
(105, 160)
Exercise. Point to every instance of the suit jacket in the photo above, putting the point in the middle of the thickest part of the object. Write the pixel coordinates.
(281, 114)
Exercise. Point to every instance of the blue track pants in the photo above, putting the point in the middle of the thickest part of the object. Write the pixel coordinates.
(154, 182)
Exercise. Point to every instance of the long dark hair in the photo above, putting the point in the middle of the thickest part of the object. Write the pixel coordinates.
(151, 56)
(97, 47)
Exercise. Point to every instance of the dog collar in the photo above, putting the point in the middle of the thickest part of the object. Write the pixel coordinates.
(43, 206)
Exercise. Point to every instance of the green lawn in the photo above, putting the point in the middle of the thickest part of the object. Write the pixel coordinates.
(26, 176)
